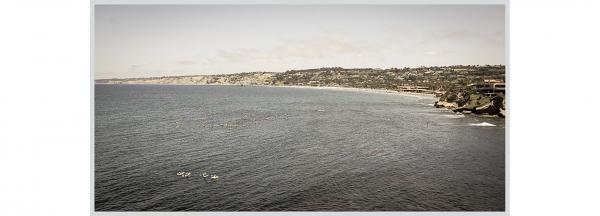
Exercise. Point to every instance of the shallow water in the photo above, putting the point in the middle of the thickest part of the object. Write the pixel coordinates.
(290, 149)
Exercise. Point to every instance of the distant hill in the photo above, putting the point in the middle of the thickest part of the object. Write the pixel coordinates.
(434, 79)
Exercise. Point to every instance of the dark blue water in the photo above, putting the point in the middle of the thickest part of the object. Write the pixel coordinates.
(289, 149)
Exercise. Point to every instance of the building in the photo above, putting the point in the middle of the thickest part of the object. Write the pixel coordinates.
(490, 87)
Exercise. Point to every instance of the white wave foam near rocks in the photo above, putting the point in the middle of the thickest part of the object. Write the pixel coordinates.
(483, 124)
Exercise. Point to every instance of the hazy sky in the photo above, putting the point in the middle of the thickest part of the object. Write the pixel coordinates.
(145, 41)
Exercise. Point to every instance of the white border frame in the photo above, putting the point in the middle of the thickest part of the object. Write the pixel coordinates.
(506, 211)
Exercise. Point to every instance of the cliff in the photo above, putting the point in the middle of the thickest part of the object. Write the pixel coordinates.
(257, 78)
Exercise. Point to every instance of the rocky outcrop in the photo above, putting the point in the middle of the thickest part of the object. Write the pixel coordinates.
(473, 103)
(491, 108)
(502, 112)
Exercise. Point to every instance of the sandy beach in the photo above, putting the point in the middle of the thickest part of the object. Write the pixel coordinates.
(377, 91)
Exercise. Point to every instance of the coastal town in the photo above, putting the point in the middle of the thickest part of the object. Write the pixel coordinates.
(468, 89)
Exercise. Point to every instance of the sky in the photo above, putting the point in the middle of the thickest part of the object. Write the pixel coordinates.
(163, 40)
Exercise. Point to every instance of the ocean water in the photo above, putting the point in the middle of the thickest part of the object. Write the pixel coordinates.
(290, 149)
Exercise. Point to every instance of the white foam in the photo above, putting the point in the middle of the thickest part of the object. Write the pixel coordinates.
(454, 116)
(483, 124)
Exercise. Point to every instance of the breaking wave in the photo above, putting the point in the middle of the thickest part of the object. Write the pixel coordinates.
(483, 124)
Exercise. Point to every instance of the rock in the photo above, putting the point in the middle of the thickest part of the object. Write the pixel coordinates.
(502, 113)
(492, 107)
(449, 105)
(463, 98)
(459, 109)
(452, 97)
(475, 103)
(489, 108)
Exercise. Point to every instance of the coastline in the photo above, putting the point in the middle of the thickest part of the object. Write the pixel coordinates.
(334, 88)
(438, 104)
(450, 86)
(376, 91)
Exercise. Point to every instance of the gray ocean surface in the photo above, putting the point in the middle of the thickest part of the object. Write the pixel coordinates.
(290, 149)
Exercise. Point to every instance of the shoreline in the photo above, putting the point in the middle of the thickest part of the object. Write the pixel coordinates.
(334, 88)
(376, 91)
(329, 88)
